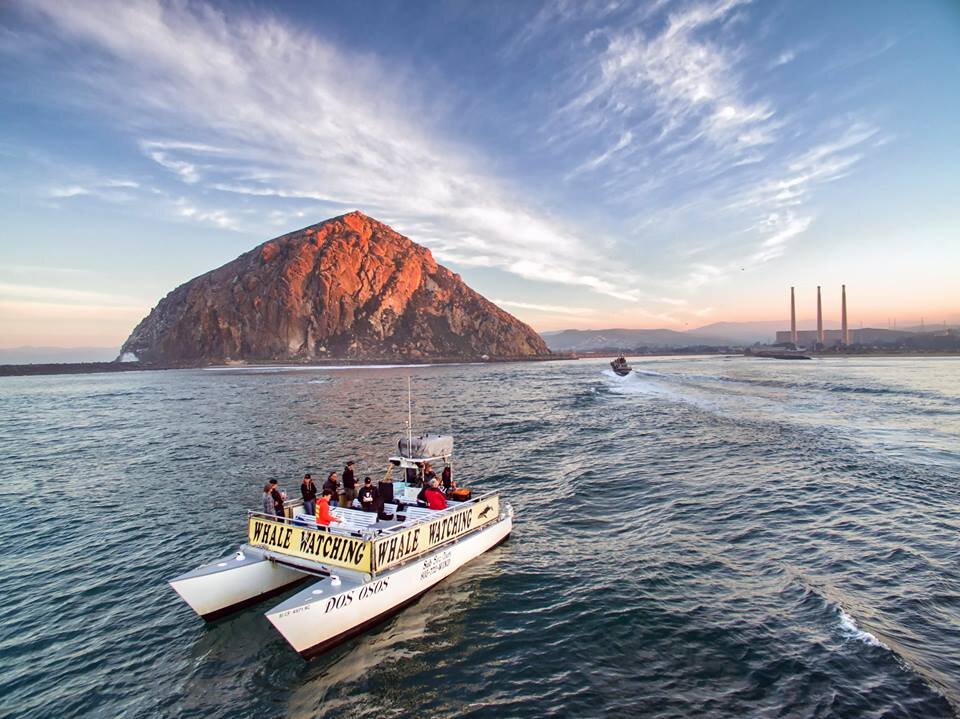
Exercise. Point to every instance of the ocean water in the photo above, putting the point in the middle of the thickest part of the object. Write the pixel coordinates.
(714, 537)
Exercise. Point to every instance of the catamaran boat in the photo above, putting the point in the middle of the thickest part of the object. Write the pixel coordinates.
(620, 366)
(359, 572)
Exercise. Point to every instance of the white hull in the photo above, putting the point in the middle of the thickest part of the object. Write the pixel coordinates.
(323, 615)
(229, 584)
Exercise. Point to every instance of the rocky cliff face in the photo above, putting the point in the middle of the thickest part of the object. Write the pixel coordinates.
(348, 288)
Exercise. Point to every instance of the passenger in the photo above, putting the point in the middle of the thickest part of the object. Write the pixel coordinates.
(422, 496)
(428, 474)
(434, 497)
(331, 485)
(413, 476)
(349, 491)
(278, 497)
(268, 499)
(369, 497)
(308, 490)
(323, 516)
(446, 480)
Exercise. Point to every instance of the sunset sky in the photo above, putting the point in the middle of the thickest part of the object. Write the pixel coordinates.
(582, 164)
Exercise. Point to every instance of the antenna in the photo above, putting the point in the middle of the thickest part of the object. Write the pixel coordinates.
(409, 417)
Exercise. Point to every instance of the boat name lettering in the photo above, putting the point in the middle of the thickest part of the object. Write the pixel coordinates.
(346, 599)
(368, 590)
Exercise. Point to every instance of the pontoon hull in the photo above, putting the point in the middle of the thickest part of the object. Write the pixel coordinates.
(231, 584)
(313, 623)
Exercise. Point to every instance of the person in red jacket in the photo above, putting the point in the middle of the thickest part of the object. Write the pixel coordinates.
(323, 510)
(434, 497)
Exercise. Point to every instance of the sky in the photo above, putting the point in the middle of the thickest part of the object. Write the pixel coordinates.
(582, 164)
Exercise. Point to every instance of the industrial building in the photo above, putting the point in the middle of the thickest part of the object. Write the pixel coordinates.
(821, 337)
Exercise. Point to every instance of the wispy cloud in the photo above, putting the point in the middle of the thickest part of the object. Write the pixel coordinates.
(251, 105)
(675, 82)
(42, 293)
(71, 191)
(111, 190)
(554, 309)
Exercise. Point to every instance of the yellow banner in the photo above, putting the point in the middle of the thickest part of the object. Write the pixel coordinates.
(314, 544)
(393, 550)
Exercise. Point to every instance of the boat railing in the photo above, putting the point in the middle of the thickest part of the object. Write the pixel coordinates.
(436, 514)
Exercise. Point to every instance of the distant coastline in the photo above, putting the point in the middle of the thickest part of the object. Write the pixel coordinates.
(28, 370)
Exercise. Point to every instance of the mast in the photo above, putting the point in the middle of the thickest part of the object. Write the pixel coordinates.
(409, 417)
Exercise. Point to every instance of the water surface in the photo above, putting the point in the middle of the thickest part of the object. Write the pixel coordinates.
(717, 537)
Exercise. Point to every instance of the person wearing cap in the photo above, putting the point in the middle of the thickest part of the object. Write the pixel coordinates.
(308, 490)
(349, 492)
(433, 496)
(323, 515)
(369, 497)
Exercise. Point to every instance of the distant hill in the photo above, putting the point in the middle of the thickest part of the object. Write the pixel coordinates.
(53, 355)
(590, 340)
(741, 333)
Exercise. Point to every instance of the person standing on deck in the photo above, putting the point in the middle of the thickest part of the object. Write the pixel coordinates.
(446, 480)
(349, 492)
(331, 485)
(323, 515)
(268, 499)
(369, 497)
(308, 490)
(278, 497)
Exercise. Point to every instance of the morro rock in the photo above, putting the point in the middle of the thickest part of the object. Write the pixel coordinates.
(349, 288)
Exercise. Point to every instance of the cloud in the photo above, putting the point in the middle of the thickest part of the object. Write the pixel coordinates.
(783, 58)
(110, 190)
(71, 191)
(555, 309)
(251, 105)
(676, 82)
(46, 294)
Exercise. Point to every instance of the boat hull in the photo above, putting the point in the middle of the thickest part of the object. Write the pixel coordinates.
(323, 615)
(230, 584)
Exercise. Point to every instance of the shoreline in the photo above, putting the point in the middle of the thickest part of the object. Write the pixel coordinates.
(61, 368)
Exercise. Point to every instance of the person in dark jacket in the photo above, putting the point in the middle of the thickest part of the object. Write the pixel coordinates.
(446, 480)
(278, 497)
(413, 476)
(308, 490)
(349, 491)
(369, 497)
(332, 486)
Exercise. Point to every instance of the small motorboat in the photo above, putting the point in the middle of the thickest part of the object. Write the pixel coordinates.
(620, 366)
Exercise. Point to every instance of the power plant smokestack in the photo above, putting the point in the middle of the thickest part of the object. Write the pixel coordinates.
(793, 318)
(844, 332)
(819, 318)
